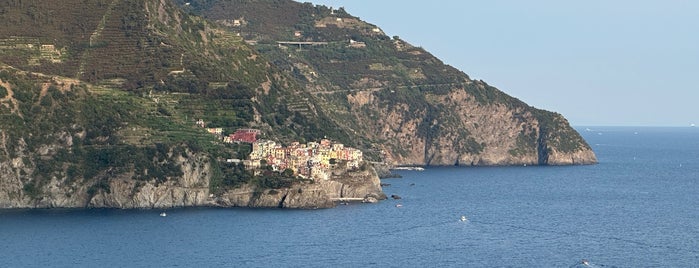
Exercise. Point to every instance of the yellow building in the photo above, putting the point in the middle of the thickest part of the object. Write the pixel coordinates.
(262, 149)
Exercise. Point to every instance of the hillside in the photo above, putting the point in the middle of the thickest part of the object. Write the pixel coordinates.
(402, 103)
(100, 111)
(100, 102)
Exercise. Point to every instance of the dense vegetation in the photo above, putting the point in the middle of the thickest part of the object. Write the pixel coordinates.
(92, 136)
(77, 135)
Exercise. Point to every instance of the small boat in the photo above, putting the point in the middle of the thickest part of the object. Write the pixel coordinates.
(463, 218)
(163, 214)
(399, 205)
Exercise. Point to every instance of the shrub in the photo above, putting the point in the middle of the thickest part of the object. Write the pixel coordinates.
(32, 189)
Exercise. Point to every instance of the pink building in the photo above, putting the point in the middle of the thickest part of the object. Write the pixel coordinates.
(247, 135)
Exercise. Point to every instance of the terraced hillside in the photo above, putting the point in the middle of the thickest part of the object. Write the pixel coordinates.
(151, 47)
(403, 104)
(99, 101)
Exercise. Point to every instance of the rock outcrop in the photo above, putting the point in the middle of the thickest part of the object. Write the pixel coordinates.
(355, 185)
(124, 191)
(191, 189)
(454, 128)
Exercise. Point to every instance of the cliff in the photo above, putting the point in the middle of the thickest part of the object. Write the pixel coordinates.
(357, 185)
(190, 189)
(121, 191)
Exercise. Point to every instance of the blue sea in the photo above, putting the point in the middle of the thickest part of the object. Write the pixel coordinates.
(638, 208)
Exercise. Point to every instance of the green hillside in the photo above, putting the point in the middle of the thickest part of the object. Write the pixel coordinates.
(94, 91)
(101, 89)
(339, 59)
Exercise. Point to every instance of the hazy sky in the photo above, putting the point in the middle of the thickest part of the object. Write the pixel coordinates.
(597, 62)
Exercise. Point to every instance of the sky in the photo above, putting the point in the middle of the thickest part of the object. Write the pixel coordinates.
(597, 62)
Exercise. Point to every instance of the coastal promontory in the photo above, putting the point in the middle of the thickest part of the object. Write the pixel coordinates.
(152, 103)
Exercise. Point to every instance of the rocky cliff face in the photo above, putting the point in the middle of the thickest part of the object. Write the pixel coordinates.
(190, 189)
(23, 185)
(462, 131)
(123, 191)
(358, 185)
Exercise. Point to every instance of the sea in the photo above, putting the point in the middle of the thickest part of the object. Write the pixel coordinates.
(639, 207)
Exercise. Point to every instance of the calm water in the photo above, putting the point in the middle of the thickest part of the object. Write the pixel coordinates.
(637, 208)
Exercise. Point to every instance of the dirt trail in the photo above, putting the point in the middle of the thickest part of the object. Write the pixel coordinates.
(12, 105)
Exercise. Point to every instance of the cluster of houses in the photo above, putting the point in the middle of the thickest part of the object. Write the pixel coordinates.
(310, 160)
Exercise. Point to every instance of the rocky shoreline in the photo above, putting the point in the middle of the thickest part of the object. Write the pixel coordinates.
(189, 190)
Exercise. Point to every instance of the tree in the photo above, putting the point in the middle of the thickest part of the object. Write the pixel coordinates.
(288, 173)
